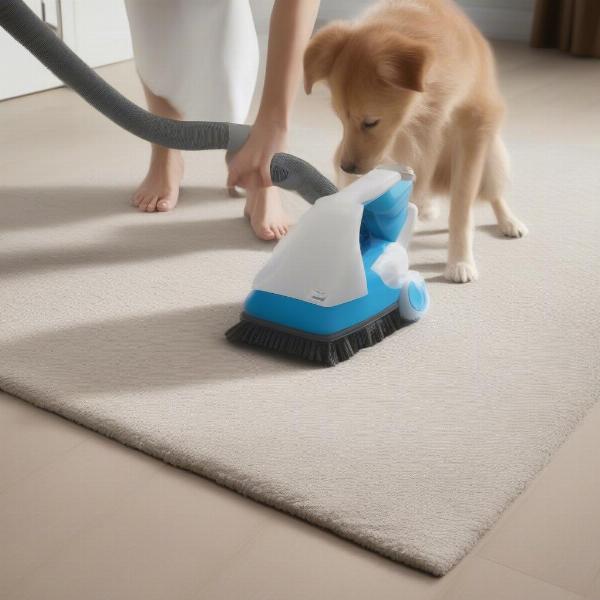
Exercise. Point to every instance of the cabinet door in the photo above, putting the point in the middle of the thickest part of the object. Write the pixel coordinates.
(20, 73)
(97, 30)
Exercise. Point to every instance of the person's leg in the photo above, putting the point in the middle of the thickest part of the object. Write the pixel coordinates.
(159, 190)
(154, 27)
(198, 60)
(241, 56)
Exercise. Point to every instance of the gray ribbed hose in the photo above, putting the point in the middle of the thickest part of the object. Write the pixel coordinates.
(287, 171)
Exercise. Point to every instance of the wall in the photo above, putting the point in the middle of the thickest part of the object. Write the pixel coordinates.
(261, 10)
(501, 19)
(498, 19)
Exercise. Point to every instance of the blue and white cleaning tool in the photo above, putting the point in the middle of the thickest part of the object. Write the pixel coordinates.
(340, 280)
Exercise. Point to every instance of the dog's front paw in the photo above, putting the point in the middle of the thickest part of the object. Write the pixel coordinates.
(461, 272)
(513, 228)
(429, 212)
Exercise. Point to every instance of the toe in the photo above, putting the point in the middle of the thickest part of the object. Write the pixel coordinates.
(144, 203)
(167, 203)
(136, 199)
(151, 206)
(265, 233)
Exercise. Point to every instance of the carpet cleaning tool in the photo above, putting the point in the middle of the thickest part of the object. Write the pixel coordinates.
(339, 281)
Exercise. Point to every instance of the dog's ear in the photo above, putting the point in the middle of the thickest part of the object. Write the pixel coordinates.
(322, 51)
(404, 63)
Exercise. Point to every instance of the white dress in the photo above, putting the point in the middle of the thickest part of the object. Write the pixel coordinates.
(200, 55)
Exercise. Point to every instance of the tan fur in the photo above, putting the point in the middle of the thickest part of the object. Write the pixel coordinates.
(424, 74)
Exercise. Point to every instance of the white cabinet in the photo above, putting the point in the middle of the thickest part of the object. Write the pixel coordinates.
(20, 73)
(97, 30)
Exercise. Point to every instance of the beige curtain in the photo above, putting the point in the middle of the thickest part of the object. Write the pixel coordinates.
(571, 25)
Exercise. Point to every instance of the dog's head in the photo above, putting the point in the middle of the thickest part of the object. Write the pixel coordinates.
(375, 75)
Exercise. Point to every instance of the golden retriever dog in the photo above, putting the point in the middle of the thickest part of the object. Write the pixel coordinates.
(414, 82)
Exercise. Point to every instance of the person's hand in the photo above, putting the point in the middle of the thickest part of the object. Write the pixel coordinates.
(250, 167)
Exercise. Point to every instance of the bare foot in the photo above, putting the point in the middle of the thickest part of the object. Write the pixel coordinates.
(267, 217)
(429, 211)
(160, 189)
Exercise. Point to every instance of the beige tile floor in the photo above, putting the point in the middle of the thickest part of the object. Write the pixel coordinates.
(83, 517)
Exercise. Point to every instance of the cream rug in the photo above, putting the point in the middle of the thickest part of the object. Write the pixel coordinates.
(412, 449)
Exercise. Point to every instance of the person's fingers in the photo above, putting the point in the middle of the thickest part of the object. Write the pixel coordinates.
(244, 182)
(257, 175)
(233, 178)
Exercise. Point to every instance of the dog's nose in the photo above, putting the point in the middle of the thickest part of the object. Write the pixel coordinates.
(349, 167)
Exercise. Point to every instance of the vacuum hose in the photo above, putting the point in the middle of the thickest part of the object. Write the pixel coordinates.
(287, 171)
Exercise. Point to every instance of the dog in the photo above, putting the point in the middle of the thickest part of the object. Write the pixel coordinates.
(414, 82)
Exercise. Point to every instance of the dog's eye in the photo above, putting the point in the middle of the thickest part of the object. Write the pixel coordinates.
(370, 123)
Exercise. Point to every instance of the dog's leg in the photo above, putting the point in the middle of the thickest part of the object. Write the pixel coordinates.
(495, 176)
(467, 168)
(421, 153)
(423, 197)
(429, 209)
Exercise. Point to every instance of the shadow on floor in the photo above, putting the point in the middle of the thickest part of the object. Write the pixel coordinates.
(157, 351)
(155, 237)
(26, 208)
(430, 232)
(31, 208)
(493, 231)
(138, 243)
